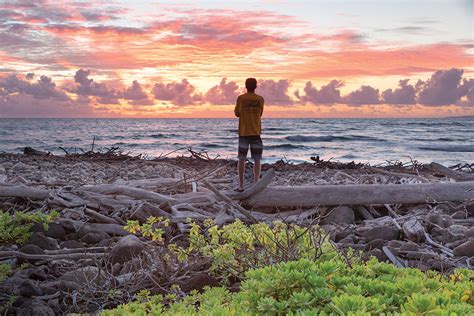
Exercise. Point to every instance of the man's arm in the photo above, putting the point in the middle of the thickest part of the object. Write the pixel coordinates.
(263, 101)
(237, 107)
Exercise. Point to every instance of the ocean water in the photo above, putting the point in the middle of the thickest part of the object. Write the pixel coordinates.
(448, 141)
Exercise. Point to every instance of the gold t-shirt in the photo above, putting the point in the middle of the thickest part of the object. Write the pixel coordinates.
(249, 109)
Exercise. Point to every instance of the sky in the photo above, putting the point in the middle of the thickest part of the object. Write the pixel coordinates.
(331, 58)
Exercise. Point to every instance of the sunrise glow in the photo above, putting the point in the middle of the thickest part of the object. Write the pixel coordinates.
(190, 59)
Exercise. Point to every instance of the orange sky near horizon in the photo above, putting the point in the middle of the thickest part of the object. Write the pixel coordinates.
(147, 59)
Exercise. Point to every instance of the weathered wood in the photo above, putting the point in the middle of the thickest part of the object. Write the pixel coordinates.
(23, 191)
(259, 187)
(414, 230)
(225, 198)
(453, 174)
(66, 256)
(111, 229)
(280, 196)
(364, 212)
(136, 193)
(392, 257)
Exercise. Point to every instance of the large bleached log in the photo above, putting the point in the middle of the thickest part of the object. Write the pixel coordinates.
(453, 174)
(259, 187)
(136, 193)
(24, 192)
(281, 196)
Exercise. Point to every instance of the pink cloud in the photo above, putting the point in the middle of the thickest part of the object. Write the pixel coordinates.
(179, 93)
(444, 87)
(136, 94)
(404, 94)
(275, 92)
(224, 93)
(88, 87)
(365, 95)
(328, 94)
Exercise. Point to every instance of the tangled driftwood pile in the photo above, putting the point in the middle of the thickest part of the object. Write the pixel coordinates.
(412, 215)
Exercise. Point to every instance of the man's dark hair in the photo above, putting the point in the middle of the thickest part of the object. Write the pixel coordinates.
(251, 84)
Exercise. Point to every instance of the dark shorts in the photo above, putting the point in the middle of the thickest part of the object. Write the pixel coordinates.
(255, 144)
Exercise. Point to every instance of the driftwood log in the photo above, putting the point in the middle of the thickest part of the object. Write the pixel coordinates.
(280, 196)
(453, 174)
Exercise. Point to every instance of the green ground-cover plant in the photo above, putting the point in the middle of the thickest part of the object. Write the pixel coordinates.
(5, 271)
(323, 287)
(283, 273)
(16, 228)
(235, 248)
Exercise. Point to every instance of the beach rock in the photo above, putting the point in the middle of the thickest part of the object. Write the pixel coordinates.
(440, 265)
(85, 275)
(48, 290)
(30, 249)
(35, 307)
(459, 215)
(94, 237)
(116, 268)
(465, 249)
(456, 243)
(441, 220)
(104, 242)
(382, 232)
(341, 234)
(346, 241)
(198, 281)
(126, 248)
(38, 274)
(45, 243)
(470, 210)
(409, 246)
(72, 244)
(377, 253)
(12, 285)
(470, 232)
(340, 215)
(28, 288)
(54, 230)
(68, 286)
(375, 244)
(457, 229)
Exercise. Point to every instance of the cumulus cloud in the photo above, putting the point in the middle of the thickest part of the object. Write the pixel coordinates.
(43, 88)
(224, 93)
(467, 90)
(275, 92)
(136, 94)
(365, 95)
(88, 87)
(328, 94)
(443, 88)
(179, 93)
(405, 94)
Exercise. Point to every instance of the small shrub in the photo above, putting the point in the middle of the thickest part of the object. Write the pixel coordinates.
(16, 228)
(317, 283)
(5, 271)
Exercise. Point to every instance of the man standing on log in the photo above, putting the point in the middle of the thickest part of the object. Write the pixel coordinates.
(249, 109)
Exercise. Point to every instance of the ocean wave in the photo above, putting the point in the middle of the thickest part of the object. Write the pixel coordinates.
(275, 129)
(330, 138)
(452, 148)
(162, 135)
(211, 145)
(284, 146)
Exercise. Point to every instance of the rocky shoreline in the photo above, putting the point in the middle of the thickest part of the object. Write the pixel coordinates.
(86, 250)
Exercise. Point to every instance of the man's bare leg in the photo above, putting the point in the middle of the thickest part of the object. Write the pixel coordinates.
(241, 171)
(257, 167)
